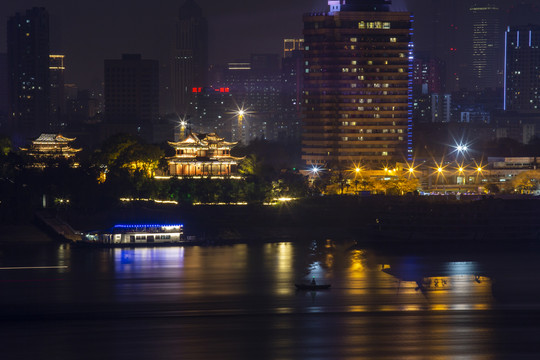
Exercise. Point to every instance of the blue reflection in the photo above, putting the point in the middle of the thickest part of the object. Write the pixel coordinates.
(126, 257)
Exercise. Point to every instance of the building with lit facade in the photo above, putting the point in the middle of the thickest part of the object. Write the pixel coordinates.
(428, 75)
(441, 107)
(202, 155)
(211, 111)
(357, 84)
(28, 71)
(190, 58)
(292, 87)
(522, 69)
(256, 88)
(486, 65)
(131, 95)
(56, 74)
(49, 147)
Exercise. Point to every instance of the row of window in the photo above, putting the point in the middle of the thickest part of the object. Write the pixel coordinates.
(360, 153)
(157, 237)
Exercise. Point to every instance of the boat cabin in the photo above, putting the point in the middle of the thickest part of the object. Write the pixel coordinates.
(139, 234)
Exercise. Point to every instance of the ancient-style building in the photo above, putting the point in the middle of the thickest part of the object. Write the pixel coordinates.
(51, 147)
(203, 155)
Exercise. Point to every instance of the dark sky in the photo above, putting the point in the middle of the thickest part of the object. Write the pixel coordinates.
(88, 32)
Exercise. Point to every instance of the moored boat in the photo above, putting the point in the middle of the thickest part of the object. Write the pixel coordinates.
(148, 234)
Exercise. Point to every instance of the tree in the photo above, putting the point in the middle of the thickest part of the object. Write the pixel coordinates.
(5, 145)
(527, 181)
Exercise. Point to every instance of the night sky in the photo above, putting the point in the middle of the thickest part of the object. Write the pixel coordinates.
(88, 32)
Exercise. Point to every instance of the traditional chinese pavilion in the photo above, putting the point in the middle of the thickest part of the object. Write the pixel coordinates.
(203, 155)
(51, 146)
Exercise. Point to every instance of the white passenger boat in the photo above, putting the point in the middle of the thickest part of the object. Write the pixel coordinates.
(138, 234)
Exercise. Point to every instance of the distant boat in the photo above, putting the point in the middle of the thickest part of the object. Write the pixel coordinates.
(312, 286)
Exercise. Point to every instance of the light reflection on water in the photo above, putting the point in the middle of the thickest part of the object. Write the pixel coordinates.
(244, 294)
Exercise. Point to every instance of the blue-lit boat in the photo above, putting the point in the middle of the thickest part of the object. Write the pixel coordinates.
(134, 234)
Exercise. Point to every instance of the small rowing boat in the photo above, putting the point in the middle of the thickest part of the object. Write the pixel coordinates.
(312, 286)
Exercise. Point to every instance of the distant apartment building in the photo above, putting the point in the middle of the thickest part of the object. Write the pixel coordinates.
(28, 72)
(428, 79)
(56, 74)
(357, 84)
(486, 65)
(256, 88)
(212, 111)
(522, 69)
(4, 107)
(292, 85)
(131, 95)
(292, 45)
(441, 108)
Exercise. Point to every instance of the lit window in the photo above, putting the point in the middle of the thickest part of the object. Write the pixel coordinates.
(393, 39)
(385, 153)
(361, 25)
(353, 62)
(354, 39)
(378, 25)
(386, 25)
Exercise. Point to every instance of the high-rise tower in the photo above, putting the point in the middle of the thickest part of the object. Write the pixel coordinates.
(522, 69)
(357, 84)
(190, 60)
(56, 74)
(28, 71)
(131, 95)
(486, 46)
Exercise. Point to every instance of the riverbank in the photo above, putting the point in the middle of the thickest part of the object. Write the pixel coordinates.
(24, 234)
(348, 218)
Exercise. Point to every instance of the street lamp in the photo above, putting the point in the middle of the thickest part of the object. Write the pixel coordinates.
(241, 114)
(461, 149)
(182, 123)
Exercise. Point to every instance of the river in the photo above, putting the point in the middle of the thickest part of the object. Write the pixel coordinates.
(240, 302)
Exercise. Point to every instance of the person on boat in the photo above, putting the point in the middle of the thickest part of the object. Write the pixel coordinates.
(313, 282)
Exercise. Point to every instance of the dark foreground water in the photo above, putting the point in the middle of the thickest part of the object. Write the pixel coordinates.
(239, 302)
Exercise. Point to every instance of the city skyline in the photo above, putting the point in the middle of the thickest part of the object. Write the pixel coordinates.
(150, 30)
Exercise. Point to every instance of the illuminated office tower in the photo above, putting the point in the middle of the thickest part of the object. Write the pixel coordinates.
(357, 84)
(522, 69)
(28, 71)
(190, 61)
(486, 66)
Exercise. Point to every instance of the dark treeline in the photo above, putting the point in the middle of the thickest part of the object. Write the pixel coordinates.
(124, 167)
